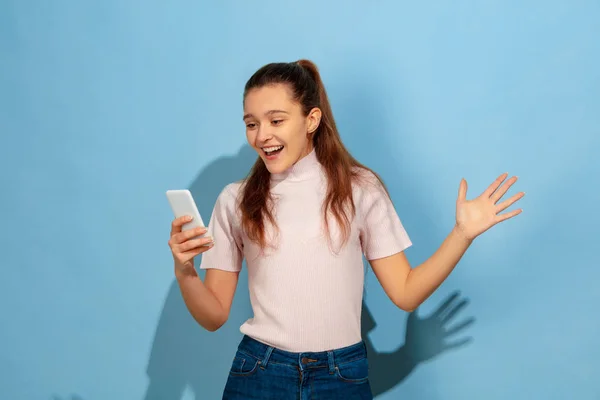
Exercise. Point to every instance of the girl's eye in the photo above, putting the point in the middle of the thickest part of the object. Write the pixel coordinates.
(277, 121)
(251, 125)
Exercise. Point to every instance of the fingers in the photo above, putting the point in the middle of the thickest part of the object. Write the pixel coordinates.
(455, 309)
(181, 237)
(509, 202)
(178, 223)
(186, 245)
(194, 244)
(492, 188)
(445, 305)
(459, 327)
(462, 190)
(457, 343)
(187, 256)
(496, 196)
(504, 217)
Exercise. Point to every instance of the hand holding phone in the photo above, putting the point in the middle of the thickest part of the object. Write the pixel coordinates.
(188, 233)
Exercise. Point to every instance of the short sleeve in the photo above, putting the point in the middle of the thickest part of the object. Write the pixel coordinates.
(224, 227)
(382, 233)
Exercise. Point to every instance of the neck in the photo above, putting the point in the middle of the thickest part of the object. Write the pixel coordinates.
(305, 168)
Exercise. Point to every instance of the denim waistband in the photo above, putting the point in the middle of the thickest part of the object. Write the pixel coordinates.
(304, 360)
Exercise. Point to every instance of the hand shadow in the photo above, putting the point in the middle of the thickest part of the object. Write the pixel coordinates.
(185, 355)
(425, 338)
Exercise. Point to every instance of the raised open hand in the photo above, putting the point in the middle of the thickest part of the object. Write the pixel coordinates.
(473, 217)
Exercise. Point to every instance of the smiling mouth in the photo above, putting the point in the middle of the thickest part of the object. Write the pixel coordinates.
(271, 151)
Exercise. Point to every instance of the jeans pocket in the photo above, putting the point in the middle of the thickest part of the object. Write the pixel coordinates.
(355, 371)
(243, 365)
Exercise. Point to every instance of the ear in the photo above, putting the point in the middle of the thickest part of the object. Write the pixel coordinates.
(313, 120)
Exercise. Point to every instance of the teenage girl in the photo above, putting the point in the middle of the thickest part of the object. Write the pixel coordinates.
(302, 219)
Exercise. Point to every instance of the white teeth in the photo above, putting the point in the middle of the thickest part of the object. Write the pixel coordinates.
(271, 149)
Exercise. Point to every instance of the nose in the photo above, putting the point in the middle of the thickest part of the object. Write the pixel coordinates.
(263, 135)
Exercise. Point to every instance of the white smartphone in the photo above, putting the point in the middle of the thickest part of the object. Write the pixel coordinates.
(182, 203)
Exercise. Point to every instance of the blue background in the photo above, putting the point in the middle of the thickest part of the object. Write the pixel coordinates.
(106, 105)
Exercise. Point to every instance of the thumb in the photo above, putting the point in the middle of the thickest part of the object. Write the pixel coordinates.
(462, 190)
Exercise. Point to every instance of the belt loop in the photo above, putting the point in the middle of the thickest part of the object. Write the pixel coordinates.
(265, 360)
(331, 361)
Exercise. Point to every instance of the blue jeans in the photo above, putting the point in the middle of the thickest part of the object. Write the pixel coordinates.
(262, 372)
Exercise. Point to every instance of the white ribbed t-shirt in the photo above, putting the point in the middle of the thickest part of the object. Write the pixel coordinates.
(306, 291)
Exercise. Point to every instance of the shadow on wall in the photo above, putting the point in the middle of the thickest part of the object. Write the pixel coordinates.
(424, 339)
(186, 357)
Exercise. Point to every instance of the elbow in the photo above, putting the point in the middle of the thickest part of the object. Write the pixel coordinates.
(407, 299)
(406, 308)
(215, 325)
(212, 327)
(405, 304)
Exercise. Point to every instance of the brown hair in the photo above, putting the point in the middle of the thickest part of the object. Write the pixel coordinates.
(341, 169)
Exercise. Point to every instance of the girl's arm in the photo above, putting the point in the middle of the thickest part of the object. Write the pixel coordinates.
(209, 302)
(409, 287)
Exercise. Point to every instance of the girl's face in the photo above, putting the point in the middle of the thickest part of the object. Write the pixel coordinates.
(277, 128)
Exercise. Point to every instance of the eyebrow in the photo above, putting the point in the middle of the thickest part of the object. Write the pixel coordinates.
(270, 112)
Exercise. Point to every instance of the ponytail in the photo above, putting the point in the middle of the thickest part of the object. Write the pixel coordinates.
(327, 119)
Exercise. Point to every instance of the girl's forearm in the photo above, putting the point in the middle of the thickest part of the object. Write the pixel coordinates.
(200, 301)
(424, 279)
